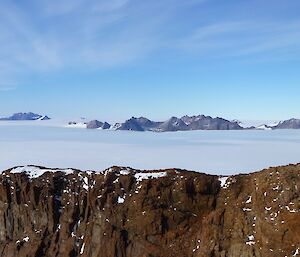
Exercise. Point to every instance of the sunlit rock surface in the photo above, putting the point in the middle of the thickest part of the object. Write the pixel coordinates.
(122, 212)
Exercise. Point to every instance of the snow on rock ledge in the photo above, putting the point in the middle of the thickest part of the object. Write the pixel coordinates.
(35, 172)
(152, 175)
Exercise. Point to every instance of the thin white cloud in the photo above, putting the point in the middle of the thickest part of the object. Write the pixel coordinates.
(90, 34)
(65, 41)
(243, 38)
(69, 33)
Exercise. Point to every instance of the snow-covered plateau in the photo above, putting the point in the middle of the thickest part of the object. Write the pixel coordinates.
(217, 152)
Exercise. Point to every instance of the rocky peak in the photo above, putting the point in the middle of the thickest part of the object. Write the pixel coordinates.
(202, 122)
(138, 124)
(188, 119)
(26, 116)
(146, 123)
(173, 124)
(131, 124)
(95, 124)
(289, 124)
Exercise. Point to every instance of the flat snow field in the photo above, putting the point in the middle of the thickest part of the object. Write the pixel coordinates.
(214, 152)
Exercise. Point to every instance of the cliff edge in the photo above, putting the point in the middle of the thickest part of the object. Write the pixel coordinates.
(123, 212)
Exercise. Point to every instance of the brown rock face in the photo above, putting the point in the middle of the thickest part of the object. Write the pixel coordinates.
(122, 212)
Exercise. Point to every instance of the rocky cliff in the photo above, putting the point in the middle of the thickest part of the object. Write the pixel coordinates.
(122, 212)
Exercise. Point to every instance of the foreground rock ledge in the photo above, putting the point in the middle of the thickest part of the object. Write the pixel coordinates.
(122, 212)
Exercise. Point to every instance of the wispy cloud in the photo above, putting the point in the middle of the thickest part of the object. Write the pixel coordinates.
(244, 38)
(51, 35)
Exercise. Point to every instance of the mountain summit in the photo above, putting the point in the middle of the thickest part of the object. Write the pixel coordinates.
(200, 122)
(26, 116)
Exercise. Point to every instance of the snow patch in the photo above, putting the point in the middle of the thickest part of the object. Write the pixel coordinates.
(121, 200)
(76, 125)
(35, 172)
(26, 239)
(250, 240)
(124, 172)
(226, 181)
(249, 199)
(223, 181)
(82, 248)
(141, 176)
(86, 183)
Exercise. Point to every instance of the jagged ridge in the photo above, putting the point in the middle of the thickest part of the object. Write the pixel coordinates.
(184, 123)
(26, 116)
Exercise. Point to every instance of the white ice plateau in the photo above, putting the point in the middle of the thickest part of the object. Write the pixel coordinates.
(216, 152)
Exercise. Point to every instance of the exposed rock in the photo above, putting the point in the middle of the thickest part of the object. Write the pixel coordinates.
(147, 124)
(122, 212)
(95, 124)
(202, 122)
(199, 122)
(26, 116)
(138, 124)
(106, 125)
(131, 124)
(289, 124)
(173, 124)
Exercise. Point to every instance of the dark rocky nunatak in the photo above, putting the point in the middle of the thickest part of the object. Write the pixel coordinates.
(173, 124)
(288, 124)
(184, 123)
(123, 212)
(202, 122)
(26, 116)
(138, 124)
(95, 124)
(131, 124)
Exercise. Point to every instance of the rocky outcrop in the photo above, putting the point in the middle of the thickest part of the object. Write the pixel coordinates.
(26, 116)
(288, 124)
(173, 124)
(202, 122)
(130, 124)
(122, 212)
(95, 124)
(184, 123)
(138, 124)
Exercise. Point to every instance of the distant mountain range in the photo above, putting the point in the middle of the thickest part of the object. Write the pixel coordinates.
(26, 116)
(185, 123)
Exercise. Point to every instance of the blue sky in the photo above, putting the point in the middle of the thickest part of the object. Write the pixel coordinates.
(120, 58)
